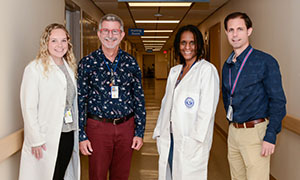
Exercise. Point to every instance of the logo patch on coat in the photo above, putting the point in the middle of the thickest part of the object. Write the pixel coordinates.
(189, 102)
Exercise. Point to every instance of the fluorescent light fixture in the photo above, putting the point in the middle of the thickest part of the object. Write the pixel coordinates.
(154, 44)
(157, 21)
(158, 41)
(161, 31)
(155, 49)
(153, 37)
(160, 4)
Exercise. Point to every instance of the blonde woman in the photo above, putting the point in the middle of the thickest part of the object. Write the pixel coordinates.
(49, 108)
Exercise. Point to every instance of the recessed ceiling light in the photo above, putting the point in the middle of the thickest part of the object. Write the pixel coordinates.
(159, 41)
(157, 21)
(151, 37)
(150, 31)
(160, 4)
(158, 15)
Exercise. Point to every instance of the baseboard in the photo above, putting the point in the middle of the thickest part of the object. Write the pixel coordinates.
(272, 178)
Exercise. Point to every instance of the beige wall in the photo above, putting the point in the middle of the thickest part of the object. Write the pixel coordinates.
(21, 26)
(276, 31)
(161, 65)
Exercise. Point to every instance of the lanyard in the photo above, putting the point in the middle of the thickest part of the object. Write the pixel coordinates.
(180, 76)
(110, 70)
(238, 75)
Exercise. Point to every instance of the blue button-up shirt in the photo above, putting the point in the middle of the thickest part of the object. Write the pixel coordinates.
(258, 93)
(94, 91)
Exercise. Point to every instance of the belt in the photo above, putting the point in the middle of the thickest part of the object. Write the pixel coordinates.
(113, 121)
(249, 124)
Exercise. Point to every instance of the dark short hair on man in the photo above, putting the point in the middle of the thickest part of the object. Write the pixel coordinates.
(241, 15)
(198, 38)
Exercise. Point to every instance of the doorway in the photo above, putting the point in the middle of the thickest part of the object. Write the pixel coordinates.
(148, 66)
(72, 17)
(215, 46)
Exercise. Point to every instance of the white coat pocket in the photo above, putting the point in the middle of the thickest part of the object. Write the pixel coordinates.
(192, 149)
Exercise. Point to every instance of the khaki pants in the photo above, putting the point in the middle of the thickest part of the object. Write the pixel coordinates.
(244, 153)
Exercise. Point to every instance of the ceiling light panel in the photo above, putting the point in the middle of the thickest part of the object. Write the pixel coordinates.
(157, 21)
(160, 4)
(153, 46)
(158, 41)
(158, 44)
(160, 31)
(153, 37)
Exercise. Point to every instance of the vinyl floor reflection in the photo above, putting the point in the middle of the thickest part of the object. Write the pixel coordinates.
(144, 164)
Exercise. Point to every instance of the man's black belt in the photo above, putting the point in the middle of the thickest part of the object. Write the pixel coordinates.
(113, 121)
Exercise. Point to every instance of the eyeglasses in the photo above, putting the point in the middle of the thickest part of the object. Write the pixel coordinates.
(113, 31)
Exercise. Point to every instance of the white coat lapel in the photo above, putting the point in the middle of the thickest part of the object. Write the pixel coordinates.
(174, 75)
(189, 73)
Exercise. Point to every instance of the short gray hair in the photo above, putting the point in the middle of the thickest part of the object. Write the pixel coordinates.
(112, 17)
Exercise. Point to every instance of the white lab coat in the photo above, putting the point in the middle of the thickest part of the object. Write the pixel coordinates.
(191, 107)
(43, 100)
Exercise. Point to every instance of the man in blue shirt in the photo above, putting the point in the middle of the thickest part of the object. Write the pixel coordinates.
(111, 104)
(254, 101)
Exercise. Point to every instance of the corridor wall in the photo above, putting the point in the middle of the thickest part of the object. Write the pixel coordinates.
(21, 27)
(276, 31)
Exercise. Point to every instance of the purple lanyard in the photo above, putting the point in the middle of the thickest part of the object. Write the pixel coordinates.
(239, 72)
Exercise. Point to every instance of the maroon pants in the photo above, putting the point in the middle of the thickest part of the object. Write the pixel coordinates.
(111, 149)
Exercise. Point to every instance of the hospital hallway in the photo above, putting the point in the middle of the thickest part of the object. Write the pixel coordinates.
(149, 28)
(144, 164)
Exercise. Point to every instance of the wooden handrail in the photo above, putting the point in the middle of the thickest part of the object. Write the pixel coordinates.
(11, 144)
(292, 124)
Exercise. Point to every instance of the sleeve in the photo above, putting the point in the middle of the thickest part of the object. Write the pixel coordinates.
(157, 128)
(224, 90)
(83, 89)
(139, 102)
(29, 97)
(209, 97)
(277, 101)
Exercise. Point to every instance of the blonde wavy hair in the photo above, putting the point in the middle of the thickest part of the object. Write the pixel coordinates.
(44, 54)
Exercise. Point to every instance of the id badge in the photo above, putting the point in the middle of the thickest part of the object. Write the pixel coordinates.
(68, 116)
(229, 113)
(115, 92)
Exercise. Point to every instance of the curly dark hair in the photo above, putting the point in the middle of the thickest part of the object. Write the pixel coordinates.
(199, 43)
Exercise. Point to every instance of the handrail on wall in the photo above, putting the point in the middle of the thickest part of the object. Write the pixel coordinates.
(13, 142)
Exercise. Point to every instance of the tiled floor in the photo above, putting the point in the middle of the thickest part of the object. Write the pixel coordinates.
(145, 162)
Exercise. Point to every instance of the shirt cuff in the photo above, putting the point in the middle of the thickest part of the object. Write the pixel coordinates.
(270, 137)
(139, 133)
(82, 136)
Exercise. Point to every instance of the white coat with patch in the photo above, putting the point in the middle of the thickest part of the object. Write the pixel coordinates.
(191, 107)
(43, 100)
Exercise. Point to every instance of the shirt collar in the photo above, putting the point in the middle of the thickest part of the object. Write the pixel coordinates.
(240, 57)
(120, 52)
